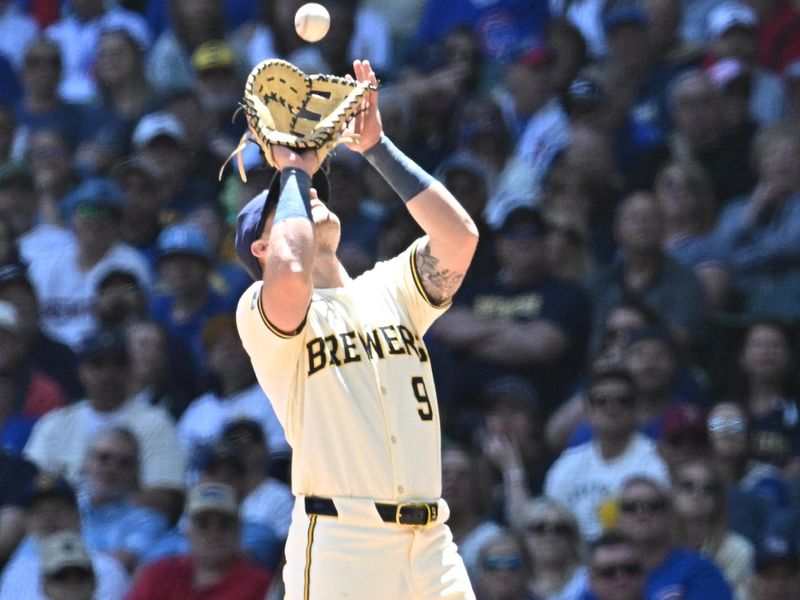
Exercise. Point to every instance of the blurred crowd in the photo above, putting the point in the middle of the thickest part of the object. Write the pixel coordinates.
(617, 378)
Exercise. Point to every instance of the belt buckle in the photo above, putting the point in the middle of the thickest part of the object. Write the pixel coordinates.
(402, 505)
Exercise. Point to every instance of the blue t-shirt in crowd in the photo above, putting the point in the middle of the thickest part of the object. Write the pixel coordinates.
(687, 575)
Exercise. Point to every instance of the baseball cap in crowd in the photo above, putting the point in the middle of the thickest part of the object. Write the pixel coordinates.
(183, 239)
(15, 173)
(683, 420)
(728, 15)
(624, 14)
(211, 457)
(212, 497)
(105, 343)
(535, 55)
(463, 162)
(523, 222)
(777, 549)
(212, 55)
(155, 125)
(251, 219)
(723, 73)
(98, 196)
(64, 550)
(510, 391)
(9, 318)
(45, 485)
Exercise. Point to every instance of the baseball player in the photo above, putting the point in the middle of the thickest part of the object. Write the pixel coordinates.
(344, 365)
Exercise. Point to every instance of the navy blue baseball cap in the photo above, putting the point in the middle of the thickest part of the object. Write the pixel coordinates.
(628, 13)
(251, 219)
(184, 239)
(98, 193)
(45, 485)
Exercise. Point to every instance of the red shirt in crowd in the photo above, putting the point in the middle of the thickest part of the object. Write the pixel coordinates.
(779, 39)
(171, 578)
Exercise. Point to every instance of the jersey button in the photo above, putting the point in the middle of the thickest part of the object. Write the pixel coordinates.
(400, 489)
(394, 439)
(383, 390)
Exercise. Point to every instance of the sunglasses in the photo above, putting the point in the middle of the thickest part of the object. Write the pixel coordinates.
(622, 400)
(727, 426)
(630, 569)
(557, 528)
(707, 487)
(636, 506)
(511, 562)
(71, 574)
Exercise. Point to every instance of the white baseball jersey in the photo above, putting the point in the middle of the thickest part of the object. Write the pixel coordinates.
(353, 387)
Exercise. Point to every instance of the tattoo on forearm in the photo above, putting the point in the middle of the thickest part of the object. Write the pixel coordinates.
(440, 284)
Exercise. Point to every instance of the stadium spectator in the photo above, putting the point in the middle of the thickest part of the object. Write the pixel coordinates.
(26, 394)
(699, 498)
(683, 435)
(51, 507)
(67, 570)
(17, 30)
(554, 543)
(16, 473)
(778, 33)
(111, 522)
(503, 569)
(777, 570)
(616, 452)
(642, 268)
(616, 571)
(55, 174)
(59, 441)
(645, 516)
(213, 568)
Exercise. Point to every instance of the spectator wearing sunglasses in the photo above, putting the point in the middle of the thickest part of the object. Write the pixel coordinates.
(553, 541)
(615, 569)
(615, 452)
(699, 497)
(503, 569)
(645, 516)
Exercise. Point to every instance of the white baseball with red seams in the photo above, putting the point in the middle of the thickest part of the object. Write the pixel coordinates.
(312, 21)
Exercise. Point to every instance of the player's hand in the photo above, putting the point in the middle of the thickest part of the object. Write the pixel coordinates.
(306, 160)
(367, 122)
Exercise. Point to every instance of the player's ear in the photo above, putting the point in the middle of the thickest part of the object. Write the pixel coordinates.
(259, 248)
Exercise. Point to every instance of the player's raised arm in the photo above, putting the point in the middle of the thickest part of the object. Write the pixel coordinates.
(446, 251)
(286, 248)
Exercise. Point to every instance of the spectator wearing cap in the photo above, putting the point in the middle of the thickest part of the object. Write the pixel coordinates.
(729, 433)
(66, 284)
(26, 394)
(41, 351)
(235, 392)
(60, 440)
(758, 233)
(141, 214)
(699, 497)
(700, 134)
(112, 523)
(218, 85)
(77, 35)
(731, 34)
(778, 33)
(213, 567)
(51, 508)
(267, 497)
(683, 434)
(777, 569)
(55, 173)
(122, 96)
(160, 139)
(16, 473)
(481, 131)
(570, 53)
(35, 237)
(642, 268)
(188, 300)
(522, 321)
(615, 453)
(540, 127)
(615, 569)
(122, 299)
(513, 441)
(67, 569)
(645, 515)
(42, 106)
(222, 463)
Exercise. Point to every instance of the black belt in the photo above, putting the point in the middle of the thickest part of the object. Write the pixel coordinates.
(404, 513)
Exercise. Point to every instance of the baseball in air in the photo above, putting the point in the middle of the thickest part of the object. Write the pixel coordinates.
(312, 21)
